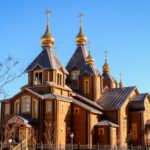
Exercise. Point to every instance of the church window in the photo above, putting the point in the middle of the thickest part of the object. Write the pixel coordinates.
(49, 107)
(101, 131)
(7, 109)
(17, 107)
(76, 111)
(35, 109)
(26, 104)
(75, 74)
(38, 77)
(59, 78)
(86, 86)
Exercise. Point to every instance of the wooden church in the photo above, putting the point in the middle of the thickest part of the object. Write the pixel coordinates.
(77, 99)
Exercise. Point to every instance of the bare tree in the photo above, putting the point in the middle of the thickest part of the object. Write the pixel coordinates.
(8, 73)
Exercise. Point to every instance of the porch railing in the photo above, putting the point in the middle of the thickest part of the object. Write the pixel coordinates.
(22, 145)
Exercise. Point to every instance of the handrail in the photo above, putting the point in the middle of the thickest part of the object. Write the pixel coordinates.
(23, 144)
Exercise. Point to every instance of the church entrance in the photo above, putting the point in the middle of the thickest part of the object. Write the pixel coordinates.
(16, 130)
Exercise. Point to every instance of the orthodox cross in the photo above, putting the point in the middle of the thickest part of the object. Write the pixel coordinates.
(48, 12)
(80, 16)
(106, 56)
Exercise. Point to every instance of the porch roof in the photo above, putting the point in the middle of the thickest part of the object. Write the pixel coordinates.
(20, 120)
(107, 123)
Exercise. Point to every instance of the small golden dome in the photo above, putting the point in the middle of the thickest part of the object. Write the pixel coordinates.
(81, 39)
(47, 39)
(89, 59)
(106, 67)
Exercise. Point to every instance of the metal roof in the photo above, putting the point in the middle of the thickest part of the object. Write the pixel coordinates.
(113, 99)
(137, 102)
(106, 123)
(78, 61)
(46, 60)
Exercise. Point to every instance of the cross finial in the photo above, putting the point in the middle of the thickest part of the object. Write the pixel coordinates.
(80, 16)
(106, 56)
(48, 12)
(121, 75)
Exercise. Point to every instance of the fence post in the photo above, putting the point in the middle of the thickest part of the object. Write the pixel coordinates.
(60, 146)
(79, 146)
(97, 146)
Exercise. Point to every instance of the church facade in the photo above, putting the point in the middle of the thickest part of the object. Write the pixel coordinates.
(77, 99)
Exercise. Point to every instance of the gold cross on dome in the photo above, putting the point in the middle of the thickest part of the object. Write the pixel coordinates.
(48, 12)
(80, 16)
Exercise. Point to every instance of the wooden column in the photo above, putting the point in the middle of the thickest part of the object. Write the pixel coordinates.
(111, 137)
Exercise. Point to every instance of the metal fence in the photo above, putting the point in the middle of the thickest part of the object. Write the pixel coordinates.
(72, 147)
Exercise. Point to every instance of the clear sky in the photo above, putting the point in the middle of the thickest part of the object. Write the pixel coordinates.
(121, 27)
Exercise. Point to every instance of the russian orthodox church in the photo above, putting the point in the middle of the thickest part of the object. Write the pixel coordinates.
(77, 99)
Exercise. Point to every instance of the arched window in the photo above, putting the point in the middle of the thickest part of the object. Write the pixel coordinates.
(26, 104)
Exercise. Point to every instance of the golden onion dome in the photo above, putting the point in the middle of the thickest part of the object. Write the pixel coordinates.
(89, 59)
(81, 39)
(47, 39)
(106, 67)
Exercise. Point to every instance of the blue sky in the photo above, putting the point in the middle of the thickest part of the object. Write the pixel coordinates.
(121, 27)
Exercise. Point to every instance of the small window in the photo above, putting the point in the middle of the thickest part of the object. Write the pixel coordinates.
(101, 131)
(74, 75)
(76, 111)
(38, 78)
(86, 86)
(7, 109)
(48, 107)
(59, 78)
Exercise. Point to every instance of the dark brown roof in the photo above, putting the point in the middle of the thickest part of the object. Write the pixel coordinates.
(137, 102)
(113, 99)
(77, 61)
(108, 77)
(46, 60)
